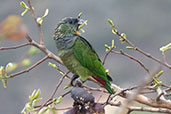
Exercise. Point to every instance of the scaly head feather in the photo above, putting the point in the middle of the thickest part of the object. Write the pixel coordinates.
(67, 27)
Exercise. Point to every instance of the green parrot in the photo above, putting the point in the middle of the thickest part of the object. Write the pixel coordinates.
(78, 55)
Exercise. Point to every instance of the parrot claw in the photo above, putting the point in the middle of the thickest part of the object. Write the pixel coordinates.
(78, 83)
(76, 79)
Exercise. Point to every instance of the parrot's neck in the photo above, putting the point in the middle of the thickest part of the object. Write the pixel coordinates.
(62, 34)
(66, 42)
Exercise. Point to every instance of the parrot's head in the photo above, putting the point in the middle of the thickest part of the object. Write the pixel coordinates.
(68, 27)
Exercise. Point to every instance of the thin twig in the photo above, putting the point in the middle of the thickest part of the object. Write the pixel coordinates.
(147, 92)
(30, 68)
(167, 86)
(141, 51)
(150, 109)
(133, 58)
(38, 25)
(108, 99)
(114, 104)
(122, 91)
(107, 54)
(59, 83)
(15, 47)
(143, 99)
(57, 87)
(160, 94)
(63, 95)
(67, 108)
(28, 38)
(94, 89)
(101, 94)
(66, 93)
(65, 74)
(132, 98)
(46, 51)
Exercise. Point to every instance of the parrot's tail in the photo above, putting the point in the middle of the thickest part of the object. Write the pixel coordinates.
(106, 85)
(108, 88)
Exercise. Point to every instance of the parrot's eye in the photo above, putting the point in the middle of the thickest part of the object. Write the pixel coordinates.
(70, 22)
(75, 21)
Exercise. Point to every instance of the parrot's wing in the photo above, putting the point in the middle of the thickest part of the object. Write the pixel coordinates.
(87, 57)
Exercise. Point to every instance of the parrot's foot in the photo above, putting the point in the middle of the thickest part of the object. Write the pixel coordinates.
(79, 83)
(74, 77)
(75, 81)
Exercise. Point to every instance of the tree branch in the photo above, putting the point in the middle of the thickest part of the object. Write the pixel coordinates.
(47, 52)
(141, 51)
(57, 87)
(149, 109)
(143, 99)
(15, 47)
(30, 68)
(38, 25)
(133, 58)
(107, 54)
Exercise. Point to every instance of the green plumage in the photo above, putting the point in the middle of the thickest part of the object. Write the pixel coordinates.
(77, 54)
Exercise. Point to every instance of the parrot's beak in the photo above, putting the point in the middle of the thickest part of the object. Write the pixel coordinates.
(77, 33)
(81, 23)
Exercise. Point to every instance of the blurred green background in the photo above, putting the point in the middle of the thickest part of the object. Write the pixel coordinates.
(147, 24)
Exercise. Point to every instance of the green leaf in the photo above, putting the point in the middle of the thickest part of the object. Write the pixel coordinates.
(107, 71)
(27, 107)
(163, 49)
(54, 111)
(23, 4)
(157, 83)
(67, 86)
(24, 12)
(58, 100)
(123, 35)
(129, 47)
(40, 19)
(36, 95)
(61, 73)
(110, 22)
(24, 109)
(159, 74)
(114, 31)
(80, 14)
(3, 76)
(113, 44)
(43, 110)
(82, 30)
(33, 92)
(155, 80)
(107, 47)
(10, 67)
(82, 25)
(33, 50)
(26, 62)
(30, 106)
(48, 111)
(39, 99)
(121, 51)
(52, 65)
(1, 72)
(4, 83)
(46, 12)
